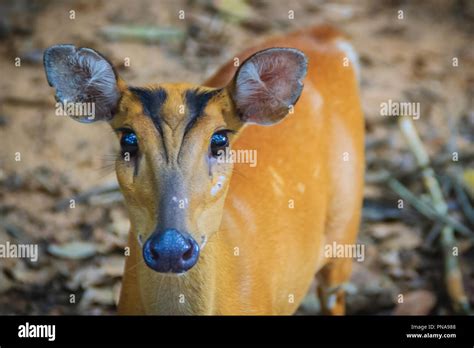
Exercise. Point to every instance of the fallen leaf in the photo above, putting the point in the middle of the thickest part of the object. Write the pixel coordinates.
(26, 275)
(418, 302)
(73, 250)
(104, 296)
(390, 258)
(398, 236)
(109, 268)
(113, 266)
(120, 223)
(87, 277)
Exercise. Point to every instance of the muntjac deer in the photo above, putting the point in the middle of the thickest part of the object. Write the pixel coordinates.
(211, 235)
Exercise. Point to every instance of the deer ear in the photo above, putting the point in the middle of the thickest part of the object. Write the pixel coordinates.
(267, 84)
(82, 76)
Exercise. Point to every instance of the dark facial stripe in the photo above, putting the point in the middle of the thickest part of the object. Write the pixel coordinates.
(152, 100)
(196, 101)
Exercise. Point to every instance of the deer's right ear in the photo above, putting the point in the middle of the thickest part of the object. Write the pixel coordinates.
(81, 75)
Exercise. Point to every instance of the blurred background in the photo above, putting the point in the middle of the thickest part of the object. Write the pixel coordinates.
(403, 59)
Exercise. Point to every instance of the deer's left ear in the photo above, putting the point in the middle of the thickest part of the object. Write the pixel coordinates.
(81, 75)
(267, 84)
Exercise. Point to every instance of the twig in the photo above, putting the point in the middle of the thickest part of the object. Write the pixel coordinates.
(463, 200)
(448, 241)
(376, 210)
(426, 209)
(432, 236)
(27, 102)
(382, 176)
(106, 198)
(144, 34)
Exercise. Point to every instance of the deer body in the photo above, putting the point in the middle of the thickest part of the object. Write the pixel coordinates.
(276, 217)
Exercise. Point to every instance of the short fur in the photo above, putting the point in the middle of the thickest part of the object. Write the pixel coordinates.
(262, 229)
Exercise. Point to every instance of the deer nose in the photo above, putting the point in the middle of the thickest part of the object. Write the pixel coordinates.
(170, 251)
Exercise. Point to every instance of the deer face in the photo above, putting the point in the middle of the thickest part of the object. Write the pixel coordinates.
(171, 137)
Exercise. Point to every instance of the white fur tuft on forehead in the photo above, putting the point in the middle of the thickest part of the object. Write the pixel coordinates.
(268, 83)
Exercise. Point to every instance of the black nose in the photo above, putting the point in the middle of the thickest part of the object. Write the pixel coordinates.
(170, 251)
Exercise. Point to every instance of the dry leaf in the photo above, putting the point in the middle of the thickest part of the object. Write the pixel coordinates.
(103, 296)
(398, 236)
(87, 277)
(113, 266)
(419, 302)
(26, 275)
(73, 250)
(120, 223)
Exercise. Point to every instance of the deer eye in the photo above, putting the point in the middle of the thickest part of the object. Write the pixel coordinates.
(129, 142)
(219, 141)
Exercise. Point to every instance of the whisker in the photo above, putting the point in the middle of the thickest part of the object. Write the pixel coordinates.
(108, 164)
(140, 262)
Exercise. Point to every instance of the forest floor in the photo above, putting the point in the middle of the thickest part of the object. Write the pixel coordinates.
(409, 58)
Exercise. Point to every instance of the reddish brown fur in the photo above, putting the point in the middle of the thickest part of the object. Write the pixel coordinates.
(280, 248)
